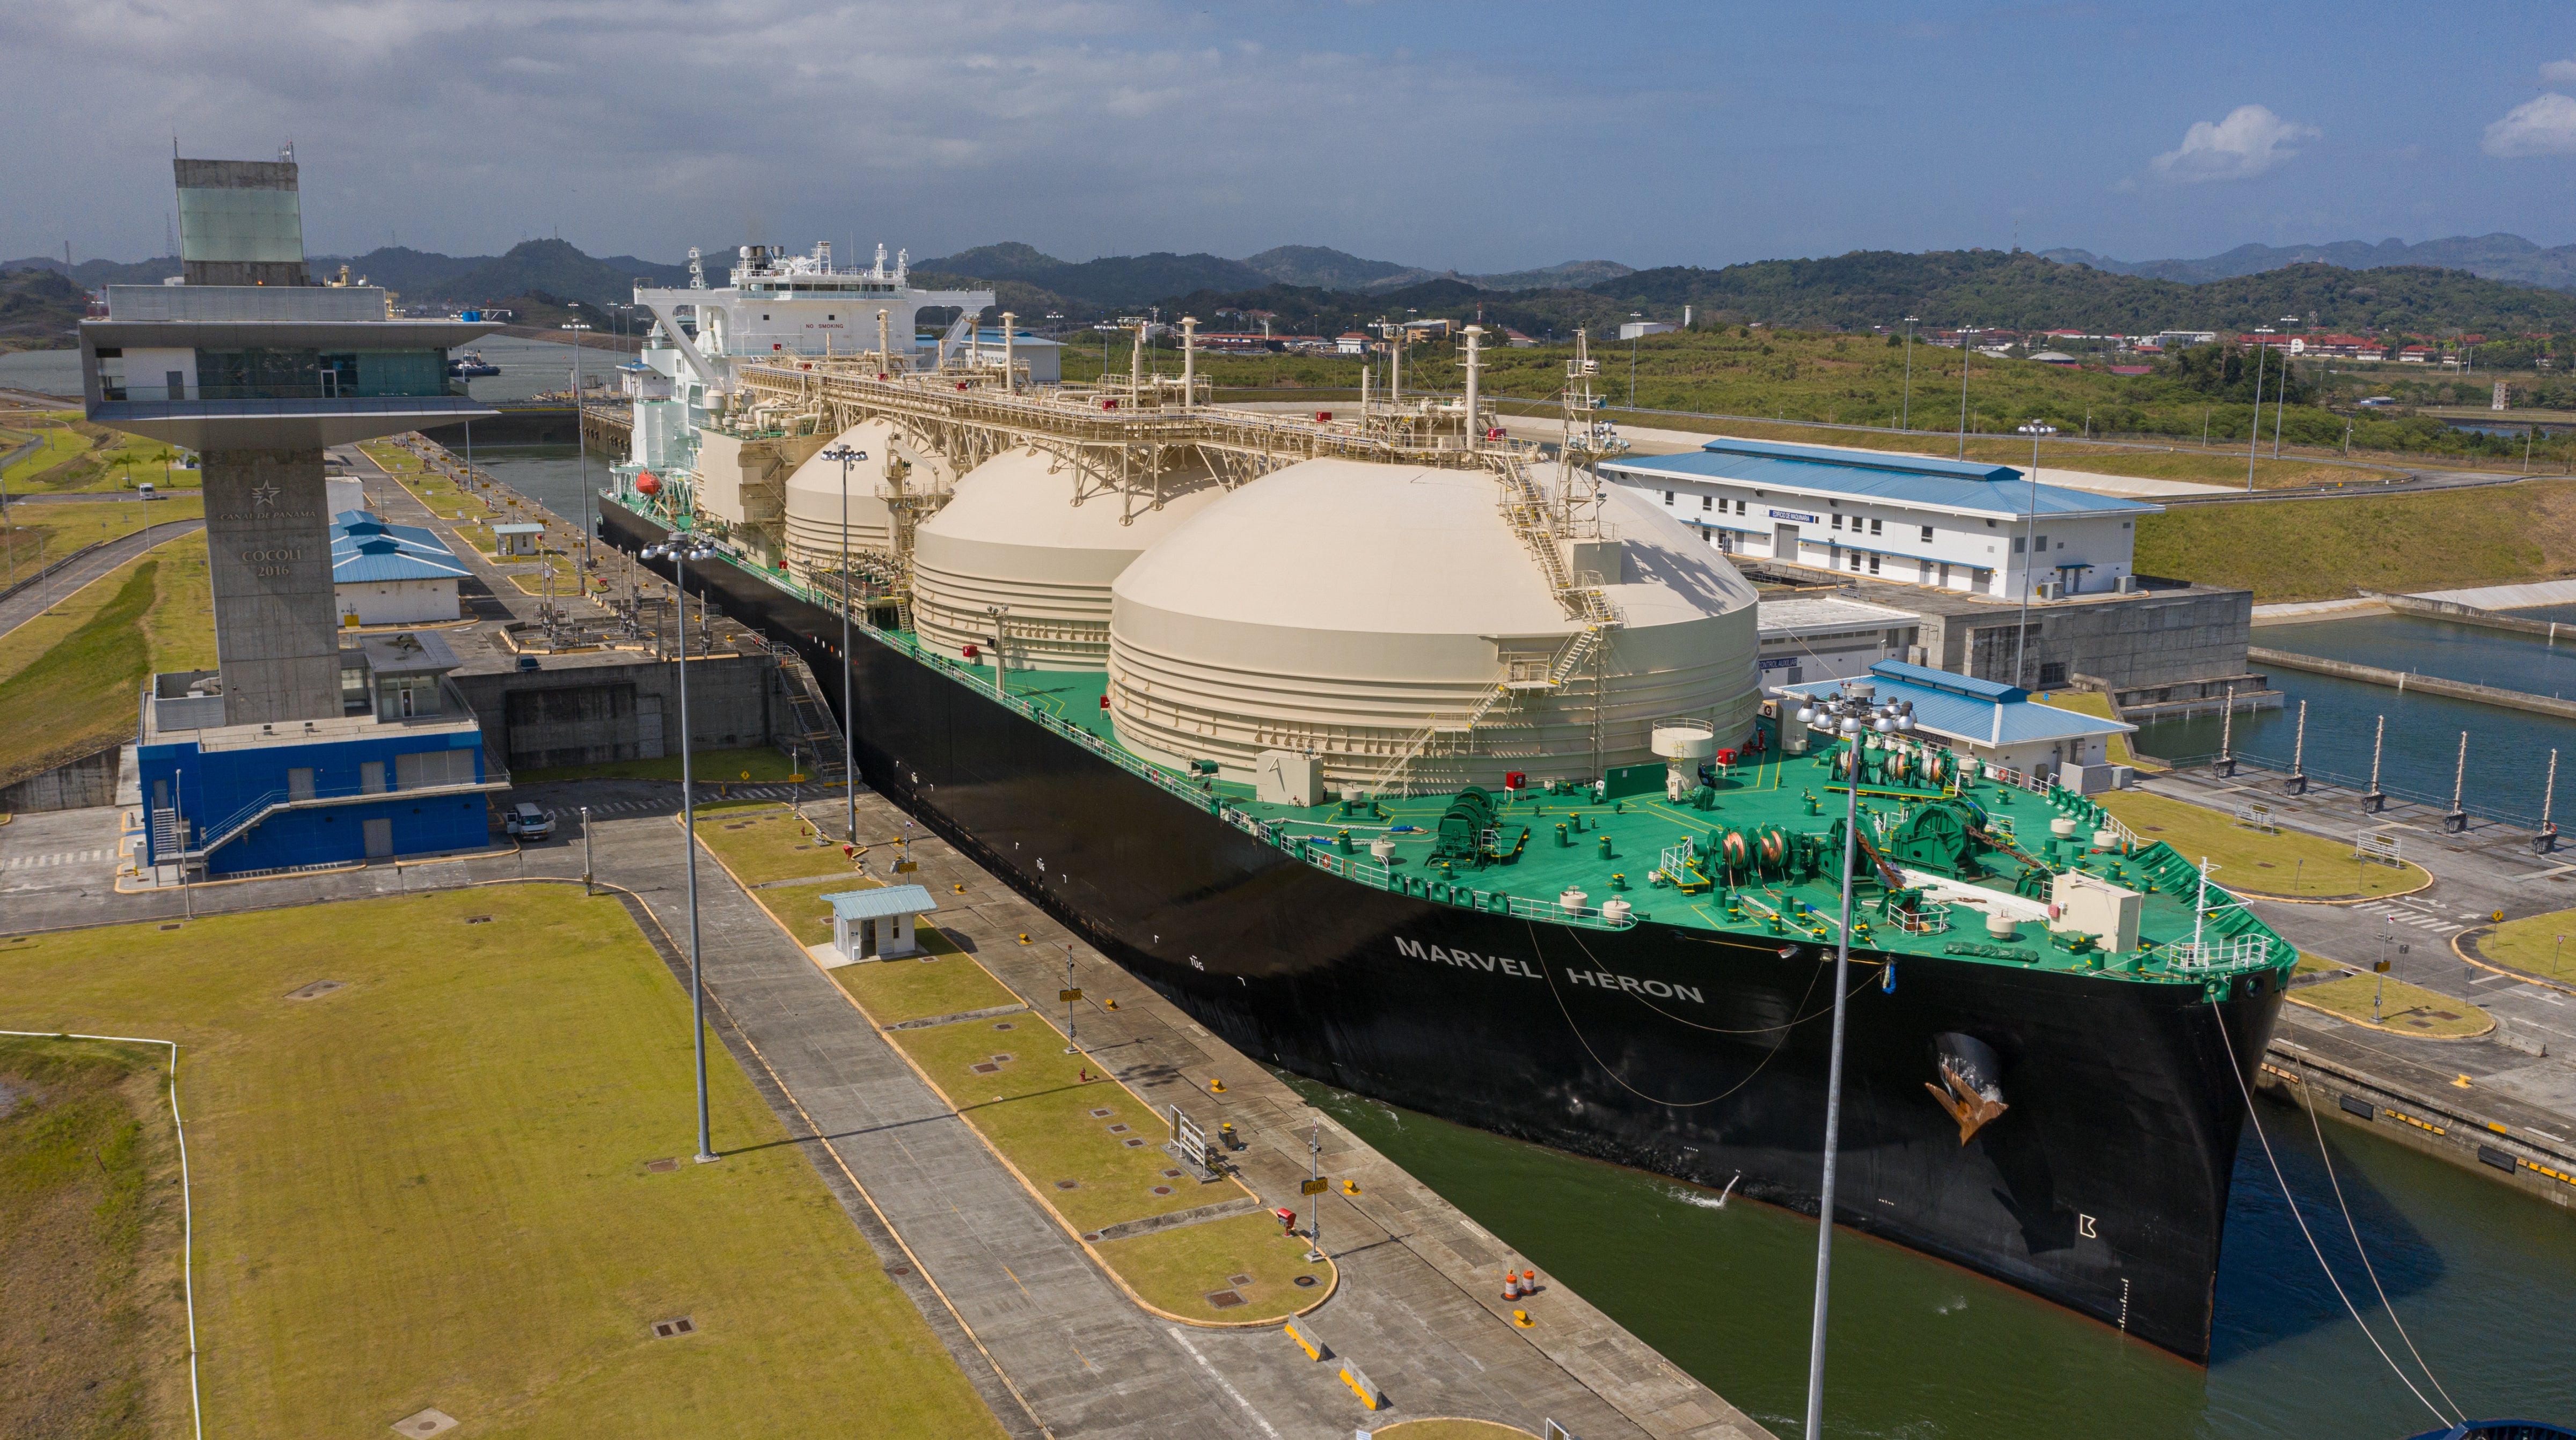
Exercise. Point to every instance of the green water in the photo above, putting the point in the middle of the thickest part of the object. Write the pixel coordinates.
(2480, 1276)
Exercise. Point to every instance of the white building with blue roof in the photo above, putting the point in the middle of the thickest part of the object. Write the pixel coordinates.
(385, 574)
(1997, 724)
(1964, 527)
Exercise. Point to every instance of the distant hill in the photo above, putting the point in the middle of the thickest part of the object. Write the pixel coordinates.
(551, 267)
(38, 308)
(2022, 290)
(2493, 257)
(1319, 267)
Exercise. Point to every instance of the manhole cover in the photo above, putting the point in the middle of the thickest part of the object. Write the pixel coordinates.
(1133, 1143)
(1162, 1189)
(1305, 1282)
(662, 1167)
(1224, 1299)
(1068, 1184)
(1102, 1114)
(677, 1325)
(1119, 1129)
(1004, 1025)
(1238, 1281)
(1003, 1059)
(317, 990)
(898, 1269)
(169, 927)
(478, 919)
(2446, 1015)
(1171, 1174)
(987, 1068)
(428, 1422)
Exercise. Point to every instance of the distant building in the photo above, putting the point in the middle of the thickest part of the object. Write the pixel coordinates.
(1995, 723)
(2182, 339)
(392, 574)
(1351, 342)
(1827, 637)
(1516, 340)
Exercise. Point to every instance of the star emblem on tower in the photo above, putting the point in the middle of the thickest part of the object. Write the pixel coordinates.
(263, 495)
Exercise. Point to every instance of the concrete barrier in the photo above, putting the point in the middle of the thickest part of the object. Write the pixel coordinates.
(2422, 1121)
(2426, 684)
(1307, 1340)
(1361, 1385)
(2434, 609)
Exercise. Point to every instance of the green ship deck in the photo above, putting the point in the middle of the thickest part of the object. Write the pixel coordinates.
(1664, 859)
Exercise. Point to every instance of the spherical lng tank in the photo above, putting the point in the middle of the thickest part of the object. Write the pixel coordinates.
(814, 494)
(1013, 536)
(1368, 612)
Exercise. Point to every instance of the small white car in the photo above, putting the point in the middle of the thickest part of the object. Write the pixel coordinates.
(527, 822)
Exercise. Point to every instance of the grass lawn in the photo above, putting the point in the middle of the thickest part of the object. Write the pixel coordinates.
(2287, 863)
(710, 766)
(1177, 1270)
(1071, 1139)
(390, 456)
(2492, 535)
(61, 443)
(69, 677)
(429, 1187)
(2534, 944)
(2411, 1009)
(97, 1342)
(1451, 1430)
(55, 531)
(921, 989)
(763, 840)
(2087, 702)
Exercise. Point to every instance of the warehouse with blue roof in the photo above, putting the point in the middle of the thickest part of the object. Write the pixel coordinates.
(1948, 525)
(385, 574)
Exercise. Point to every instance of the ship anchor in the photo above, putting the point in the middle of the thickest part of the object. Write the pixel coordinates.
(1967, 1091)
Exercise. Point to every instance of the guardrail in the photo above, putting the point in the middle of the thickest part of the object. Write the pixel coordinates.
(241, 821)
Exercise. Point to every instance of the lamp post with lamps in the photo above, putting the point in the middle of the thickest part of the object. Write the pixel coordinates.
(581, 438)
(2030, 542)
(1852, 714)
(1906, 420)
(2254, 439)
(680, 549)
(849, 720)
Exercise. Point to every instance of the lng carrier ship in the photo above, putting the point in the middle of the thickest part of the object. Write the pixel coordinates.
(1420, 762)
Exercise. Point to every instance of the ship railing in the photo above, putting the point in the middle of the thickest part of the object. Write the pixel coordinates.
(1928, 917)
(1315, 850)
(2228, 955)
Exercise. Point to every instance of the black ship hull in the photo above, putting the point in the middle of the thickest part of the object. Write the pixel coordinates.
(1699, 1055)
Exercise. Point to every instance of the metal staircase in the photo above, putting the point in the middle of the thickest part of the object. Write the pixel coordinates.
(811, 731)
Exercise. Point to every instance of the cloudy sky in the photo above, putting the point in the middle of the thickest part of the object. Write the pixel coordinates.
(1482, 136)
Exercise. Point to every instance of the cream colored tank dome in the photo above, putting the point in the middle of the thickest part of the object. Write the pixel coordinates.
(1353, 609)
(814, 494)
(1013, 536)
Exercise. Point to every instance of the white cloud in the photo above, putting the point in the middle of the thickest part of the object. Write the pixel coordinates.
(2546, 126)
(2559, 72)
(2248, 142)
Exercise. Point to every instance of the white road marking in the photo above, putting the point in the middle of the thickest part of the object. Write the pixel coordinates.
(2491, 979)
(1222, 1383)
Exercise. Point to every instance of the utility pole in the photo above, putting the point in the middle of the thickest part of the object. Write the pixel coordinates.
(2254, 440)
(1967, 350)
(1906, 419)
(680, 549)
(849, 721)
(581, 438)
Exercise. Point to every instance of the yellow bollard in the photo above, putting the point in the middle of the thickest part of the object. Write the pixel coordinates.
(1522, 1319)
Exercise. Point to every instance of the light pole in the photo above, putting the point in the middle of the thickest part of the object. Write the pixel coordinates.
(1967, 351)
(1907, 421)
(2030, 542)
(849, 721)
(2254, 440)
(1851, 716)
(581, 438)
(1634, 331)
(680, 549)
(2281, 399)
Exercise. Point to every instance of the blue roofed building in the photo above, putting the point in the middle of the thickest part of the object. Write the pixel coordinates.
(1964, 527)
(1998, 724)
(384, 574)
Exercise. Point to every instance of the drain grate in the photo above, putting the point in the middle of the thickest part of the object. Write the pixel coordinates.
(478, 919)
(1068, 1184)
(1171, 1174)
(1004, 1025)
(1132, 1143)
(1102, 1114)
(317, 990)
(1238, 1281)
(431, 1421)
(1120, 1129)
(169, 927)
(1223, 1299)
(1004, 1059)
(662, 1167)
(986, 1068)
(676, 1325)
(1162, 1189)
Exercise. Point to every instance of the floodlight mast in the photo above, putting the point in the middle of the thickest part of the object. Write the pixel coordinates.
(680, 549)
(849, 720)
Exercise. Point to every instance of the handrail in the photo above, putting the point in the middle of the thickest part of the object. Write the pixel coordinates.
(268, 802)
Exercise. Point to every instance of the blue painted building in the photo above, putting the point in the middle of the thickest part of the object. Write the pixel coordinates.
(400, 771)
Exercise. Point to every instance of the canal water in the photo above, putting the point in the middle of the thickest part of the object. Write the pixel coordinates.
(1920, 1349)
(2508, 753)
(551, 475)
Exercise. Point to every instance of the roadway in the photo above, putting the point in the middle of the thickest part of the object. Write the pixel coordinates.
(30, 600)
